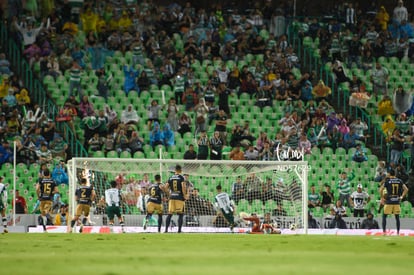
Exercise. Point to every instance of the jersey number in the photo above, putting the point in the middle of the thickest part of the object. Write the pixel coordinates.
(395, 188)
(47, 188)
(175, 186)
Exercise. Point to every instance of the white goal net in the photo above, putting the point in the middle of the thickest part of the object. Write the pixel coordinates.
(278, 188)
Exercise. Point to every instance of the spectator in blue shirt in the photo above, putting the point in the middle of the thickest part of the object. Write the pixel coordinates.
(349, 139)
(168, 136)
(129, 82)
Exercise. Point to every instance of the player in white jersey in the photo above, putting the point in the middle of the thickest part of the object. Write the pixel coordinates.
(3, 201)
(358, 200)
(113, 202)
(225, 205)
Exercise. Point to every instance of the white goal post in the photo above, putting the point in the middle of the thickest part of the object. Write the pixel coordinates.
(276, 187)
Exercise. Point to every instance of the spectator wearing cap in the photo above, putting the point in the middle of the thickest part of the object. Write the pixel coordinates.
(359, 200)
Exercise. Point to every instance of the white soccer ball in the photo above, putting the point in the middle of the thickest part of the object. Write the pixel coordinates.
(292, 226)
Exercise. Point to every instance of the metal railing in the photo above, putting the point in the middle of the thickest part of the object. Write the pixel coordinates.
(36, 89)
(311, 61)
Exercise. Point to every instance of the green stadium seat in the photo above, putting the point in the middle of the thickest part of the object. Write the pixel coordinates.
(248, 58)
(125, 155)
(139, 155)
(307, 41)
(270, 205)
(112, 154)
(243, 206)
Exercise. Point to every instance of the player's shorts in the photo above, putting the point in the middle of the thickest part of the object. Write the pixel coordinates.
(176, 206)
(113, 211)
(392, 209)
(154, 207)
(45, 206)
(82, 208)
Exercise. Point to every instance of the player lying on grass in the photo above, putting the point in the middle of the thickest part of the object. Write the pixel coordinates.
(261, 228)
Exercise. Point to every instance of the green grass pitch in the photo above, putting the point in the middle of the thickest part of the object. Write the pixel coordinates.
(217, 254)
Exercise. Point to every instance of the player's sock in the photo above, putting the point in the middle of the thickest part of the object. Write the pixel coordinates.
(146, 220)
(380, 208)
(72, 223)
(159, 223)
(384, 223)
(231, 221)
(5, 225)
(397, 220)
(84, 221)
(180, 222)
(167, 222)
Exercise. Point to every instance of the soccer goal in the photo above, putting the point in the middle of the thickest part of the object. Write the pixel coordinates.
(275, 187)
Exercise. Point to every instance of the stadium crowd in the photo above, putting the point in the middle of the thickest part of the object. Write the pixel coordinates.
(208, 60)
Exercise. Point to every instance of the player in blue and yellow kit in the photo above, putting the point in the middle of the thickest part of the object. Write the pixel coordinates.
(154, 204)
(177, 197)
(84, 195)
(45, 190)
(393, 190)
